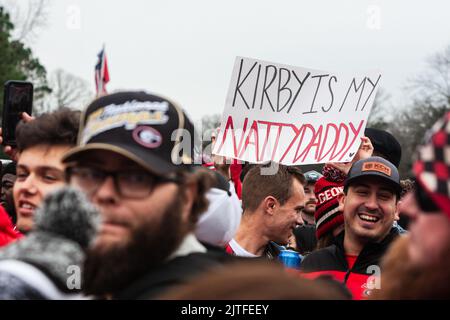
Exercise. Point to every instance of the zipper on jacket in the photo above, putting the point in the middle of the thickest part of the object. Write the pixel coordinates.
(347, 275)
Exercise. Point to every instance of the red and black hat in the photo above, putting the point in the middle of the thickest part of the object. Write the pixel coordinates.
(148, 129)
(432, 166)
(327, 215)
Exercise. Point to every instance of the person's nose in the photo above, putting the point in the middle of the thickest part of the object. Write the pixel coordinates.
(372, 202)
(28, 186)
(106, 193)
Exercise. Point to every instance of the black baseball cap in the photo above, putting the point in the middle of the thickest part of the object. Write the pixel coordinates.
(374, 166)
(385, 143)
(142, 127)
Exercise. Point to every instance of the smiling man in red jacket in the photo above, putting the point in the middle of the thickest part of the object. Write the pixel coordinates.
(369, 202)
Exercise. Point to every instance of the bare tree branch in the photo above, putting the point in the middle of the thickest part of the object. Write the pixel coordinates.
(433, 85)
(28, 17)
(381, 104)
(68, 90)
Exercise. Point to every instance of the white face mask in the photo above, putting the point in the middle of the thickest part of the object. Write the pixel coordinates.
(219, 223)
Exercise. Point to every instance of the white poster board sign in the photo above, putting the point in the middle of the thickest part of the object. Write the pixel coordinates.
(292, 115)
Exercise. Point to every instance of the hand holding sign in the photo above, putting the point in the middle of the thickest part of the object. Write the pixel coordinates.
(365, 151)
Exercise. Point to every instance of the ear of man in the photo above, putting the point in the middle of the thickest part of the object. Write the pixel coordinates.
(190, 190)
(341, 198)
(194, 194)
(397, 210)
(269, 205)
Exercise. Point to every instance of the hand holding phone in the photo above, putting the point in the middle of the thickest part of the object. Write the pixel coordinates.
(9, 150)
(18, 98)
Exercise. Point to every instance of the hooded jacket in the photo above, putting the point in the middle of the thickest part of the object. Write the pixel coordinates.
(191, 259)
(7, 232)
(218, 225)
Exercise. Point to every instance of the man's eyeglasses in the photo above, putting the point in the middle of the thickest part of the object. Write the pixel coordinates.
(129, 184)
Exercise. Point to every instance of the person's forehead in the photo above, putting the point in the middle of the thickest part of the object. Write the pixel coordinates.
(42, 156)
(41, 152)
(310, 185)
(373, 182)
(298, 189)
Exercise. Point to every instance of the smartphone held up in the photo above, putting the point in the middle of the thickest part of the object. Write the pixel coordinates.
(17, 98)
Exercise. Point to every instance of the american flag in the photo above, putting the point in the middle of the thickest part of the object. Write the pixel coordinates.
(101, 73)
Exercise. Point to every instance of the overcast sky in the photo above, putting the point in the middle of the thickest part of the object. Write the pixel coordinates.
(186, 49)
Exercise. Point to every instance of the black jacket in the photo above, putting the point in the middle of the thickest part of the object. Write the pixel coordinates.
(305, 238)
(332, 261)
(174, 272)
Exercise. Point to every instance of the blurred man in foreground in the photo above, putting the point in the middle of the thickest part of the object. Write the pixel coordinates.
(134, 162)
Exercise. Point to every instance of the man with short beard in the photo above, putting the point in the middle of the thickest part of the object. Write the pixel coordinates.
(418, 265)
(134, 161)
(311, 200)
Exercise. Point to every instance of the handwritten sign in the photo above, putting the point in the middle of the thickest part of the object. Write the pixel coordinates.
(293, 115)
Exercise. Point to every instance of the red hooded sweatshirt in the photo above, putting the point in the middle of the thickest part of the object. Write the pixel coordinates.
(7, 231)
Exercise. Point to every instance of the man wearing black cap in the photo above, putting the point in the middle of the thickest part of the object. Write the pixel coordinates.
(134, 161)
(369, 202)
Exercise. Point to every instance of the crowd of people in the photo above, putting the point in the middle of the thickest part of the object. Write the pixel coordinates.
(109, 203)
